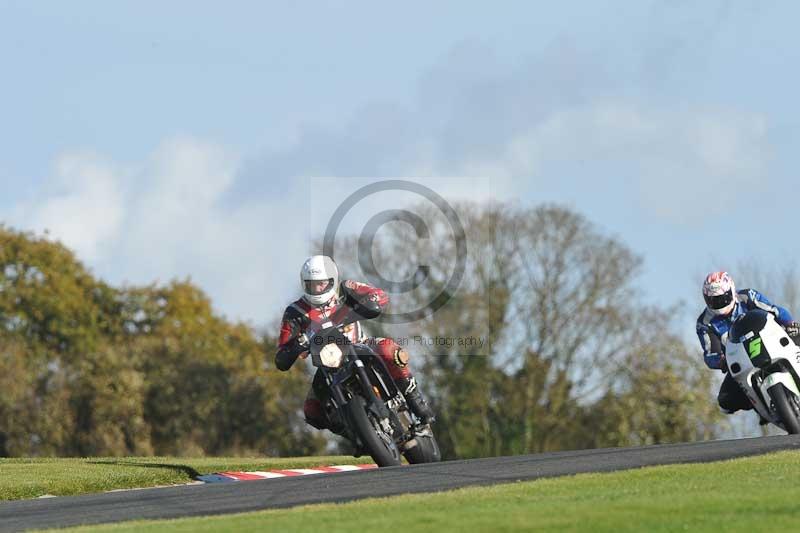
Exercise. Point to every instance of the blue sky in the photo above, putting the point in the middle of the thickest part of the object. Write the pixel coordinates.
(177, 139)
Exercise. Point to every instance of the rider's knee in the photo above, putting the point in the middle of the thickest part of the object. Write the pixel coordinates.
(315, 415)
(395, 356)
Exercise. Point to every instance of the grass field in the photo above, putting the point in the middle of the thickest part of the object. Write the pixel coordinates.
(753, 494)
(31, 478)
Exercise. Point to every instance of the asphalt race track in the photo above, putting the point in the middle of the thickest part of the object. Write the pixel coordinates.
(237, 497)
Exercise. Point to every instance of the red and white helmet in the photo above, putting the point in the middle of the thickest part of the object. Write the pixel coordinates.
(719, 293)
(316, 269)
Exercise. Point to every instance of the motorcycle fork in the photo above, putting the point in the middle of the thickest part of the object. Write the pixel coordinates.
(337, 394)
(755, 382)
(373, 400)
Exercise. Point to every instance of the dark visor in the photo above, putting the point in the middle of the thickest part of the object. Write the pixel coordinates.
(312, 286)
(718, 302)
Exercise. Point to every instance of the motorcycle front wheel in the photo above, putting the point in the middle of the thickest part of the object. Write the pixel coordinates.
(380, 446)
(786, 408)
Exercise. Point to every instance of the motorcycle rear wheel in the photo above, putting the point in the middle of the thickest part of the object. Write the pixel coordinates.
(384, 450)
(785, 407)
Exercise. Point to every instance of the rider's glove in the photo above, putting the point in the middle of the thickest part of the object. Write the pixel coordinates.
(298, 344)
(302, 340)
(792, 329)
(365, 307)
(289, 352)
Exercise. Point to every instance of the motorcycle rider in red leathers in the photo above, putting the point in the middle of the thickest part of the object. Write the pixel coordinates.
(326, 299)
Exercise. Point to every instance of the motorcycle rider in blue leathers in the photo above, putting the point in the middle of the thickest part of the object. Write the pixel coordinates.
(723, 305)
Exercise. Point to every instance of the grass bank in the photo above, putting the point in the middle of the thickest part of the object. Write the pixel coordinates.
(31, 478)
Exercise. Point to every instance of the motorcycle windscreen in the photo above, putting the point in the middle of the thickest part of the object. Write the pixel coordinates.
(750, 322)
(748, 329)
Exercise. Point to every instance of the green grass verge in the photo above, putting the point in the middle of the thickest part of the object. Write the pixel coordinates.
(31, 478)
(753, 494)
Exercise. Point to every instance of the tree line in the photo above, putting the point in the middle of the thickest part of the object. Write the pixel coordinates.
(572, 356)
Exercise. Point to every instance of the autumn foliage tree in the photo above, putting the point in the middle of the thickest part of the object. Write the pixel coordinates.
(90, 369)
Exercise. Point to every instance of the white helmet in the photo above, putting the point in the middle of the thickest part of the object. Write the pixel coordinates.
(319, 268)
(719, 293)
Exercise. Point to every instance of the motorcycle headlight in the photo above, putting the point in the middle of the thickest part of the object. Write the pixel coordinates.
(331, 356)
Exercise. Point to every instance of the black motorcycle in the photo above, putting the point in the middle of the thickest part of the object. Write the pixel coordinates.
(361, 397)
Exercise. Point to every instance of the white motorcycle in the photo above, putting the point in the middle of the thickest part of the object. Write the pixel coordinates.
(765, 363)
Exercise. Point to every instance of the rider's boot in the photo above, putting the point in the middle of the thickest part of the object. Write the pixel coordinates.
(415, 400)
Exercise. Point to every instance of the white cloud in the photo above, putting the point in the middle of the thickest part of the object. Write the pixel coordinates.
(81, 204)
(173, 204)
(682, 161)
(180, 225)
(165, 219)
